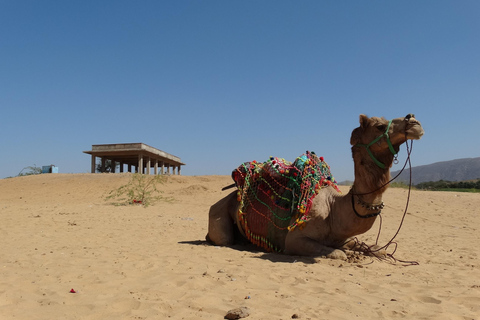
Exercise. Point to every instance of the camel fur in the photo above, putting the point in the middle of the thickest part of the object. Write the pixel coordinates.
(333, 217)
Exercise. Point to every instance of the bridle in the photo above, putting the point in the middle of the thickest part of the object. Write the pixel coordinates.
(390, 146)
(381, 165)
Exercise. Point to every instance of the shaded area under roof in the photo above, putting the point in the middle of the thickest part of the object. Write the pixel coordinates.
(137, 155)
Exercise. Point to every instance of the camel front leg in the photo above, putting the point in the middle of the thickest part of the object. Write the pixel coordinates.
(220, 221)
(298, 244)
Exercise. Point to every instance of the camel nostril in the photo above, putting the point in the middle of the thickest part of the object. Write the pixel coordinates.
(409, 116)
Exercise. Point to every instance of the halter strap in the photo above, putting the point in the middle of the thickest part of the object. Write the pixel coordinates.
(371, 215)
(390, 146)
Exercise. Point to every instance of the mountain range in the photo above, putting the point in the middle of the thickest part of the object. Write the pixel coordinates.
(453, 170)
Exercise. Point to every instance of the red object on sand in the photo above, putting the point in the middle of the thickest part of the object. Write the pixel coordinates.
(73, 291)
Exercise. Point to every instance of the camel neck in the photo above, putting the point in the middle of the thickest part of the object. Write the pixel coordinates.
(369, 185)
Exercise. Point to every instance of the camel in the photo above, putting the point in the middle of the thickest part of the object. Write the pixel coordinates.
(334, 218)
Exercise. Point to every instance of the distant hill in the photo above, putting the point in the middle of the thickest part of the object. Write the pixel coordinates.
(453, 170)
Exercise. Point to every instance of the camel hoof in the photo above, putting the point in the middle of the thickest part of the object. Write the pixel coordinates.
(337, 254)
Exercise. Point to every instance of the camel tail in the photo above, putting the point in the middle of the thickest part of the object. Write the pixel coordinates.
(229, 187)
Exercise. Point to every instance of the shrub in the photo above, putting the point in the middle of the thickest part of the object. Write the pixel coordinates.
(31, 170)
(140, 190)
(400, 184)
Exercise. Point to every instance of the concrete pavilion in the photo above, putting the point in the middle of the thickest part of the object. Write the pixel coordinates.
(137, 155)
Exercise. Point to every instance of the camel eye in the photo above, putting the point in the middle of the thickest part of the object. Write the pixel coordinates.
(381, 127)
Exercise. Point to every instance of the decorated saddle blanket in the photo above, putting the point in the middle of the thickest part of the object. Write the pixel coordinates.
(276, 196)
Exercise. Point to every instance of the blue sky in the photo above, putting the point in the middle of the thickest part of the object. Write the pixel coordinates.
(217, 83)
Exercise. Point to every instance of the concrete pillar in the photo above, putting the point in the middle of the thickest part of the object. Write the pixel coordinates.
(94, 163)
(149, 165)
(129, 167)
(178, 170)
(155, 167)
(162, 167)
(121, 167)
(140, 164)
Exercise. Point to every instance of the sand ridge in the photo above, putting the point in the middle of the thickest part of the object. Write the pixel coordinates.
(129, 262)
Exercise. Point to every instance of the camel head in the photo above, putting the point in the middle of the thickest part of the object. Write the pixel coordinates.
(380, 139)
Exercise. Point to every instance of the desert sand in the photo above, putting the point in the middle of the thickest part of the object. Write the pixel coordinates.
(58, 232)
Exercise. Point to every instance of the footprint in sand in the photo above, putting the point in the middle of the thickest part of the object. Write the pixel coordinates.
(427, 299)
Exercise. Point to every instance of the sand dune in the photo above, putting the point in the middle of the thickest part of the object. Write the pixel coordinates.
(58, 233)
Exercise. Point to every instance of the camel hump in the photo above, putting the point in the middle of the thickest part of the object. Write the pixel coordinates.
(273, 192)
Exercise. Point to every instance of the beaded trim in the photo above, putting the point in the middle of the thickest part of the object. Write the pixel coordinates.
(274, 193)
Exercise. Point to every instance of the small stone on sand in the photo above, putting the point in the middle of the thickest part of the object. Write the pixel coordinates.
(238, 313)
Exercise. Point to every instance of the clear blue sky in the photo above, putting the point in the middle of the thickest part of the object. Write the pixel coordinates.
(217, 83)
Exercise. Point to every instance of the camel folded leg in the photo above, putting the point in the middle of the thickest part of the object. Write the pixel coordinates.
(297, 244)
(221, 221)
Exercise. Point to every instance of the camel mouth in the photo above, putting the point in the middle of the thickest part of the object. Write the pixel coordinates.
(415, 132)
(413, 128)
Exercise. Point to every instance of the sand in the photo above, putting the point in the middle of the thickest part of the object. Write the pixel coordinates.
(57, 233)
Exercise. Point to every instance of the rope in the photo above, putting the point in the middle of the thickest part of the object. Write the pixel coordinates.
(390, 256)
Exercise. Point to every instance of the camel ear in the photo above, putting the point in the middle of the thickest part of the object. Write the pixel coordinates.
(364, 120)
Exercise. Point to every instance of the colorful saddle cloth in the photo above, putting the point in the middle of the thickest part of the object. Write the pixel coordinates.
(273, 192)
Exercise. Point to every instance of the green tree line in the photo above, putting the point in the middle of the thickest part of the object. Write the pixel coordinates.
(446, 185)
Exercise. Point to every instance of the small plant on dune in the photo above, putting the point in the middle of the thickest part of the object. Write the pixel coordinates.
(31, 170)
(141, 189)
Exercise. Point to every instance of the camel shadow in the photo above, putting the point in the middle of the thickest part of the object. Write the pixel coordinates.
(283, 258)
(195, 242)
(248, 247)
(239, 245)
